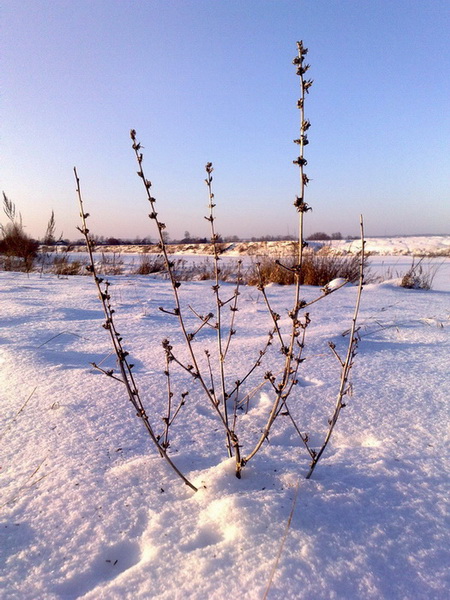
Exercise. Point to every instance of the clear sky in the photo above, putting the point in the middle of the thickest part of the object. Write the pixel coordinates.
(213, 80)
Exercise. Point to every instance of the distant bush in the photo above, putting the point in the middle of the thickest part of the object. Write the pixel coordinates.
(62, 265)
(317, 269)
(149, 264)
(319, 236)
(111, 264)
(419, 276)
(18, 248)
(207, 270)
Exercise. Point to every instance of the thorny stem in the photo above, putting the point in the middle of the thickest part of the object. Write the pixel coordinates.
(348, 362)
(124, 366)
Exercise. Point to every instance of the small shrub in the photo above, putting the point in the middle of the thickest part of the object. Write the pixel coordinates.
(206, 270)
(317, 269)
(419, 276)
(110, 265)
(276, 359)
(62, 265)
(18, 248)
(149, 264)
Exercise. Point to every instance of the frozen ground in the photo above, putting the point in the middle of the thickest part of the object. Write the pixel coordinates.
(87, 510)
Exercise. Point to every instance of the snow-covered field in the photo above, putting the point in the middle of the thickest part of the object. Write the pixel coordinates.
(87, 508)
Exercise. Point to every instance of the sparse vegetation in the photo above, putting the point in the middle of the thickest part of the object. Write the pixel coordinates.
(317, 269)
(62, 265)
(149, 264)
(419, 276)
(110, 264)
(18, 249)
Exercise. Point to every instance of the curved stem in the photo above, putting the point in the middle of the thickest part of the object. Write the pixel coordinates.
(347, 363)
(124, 367)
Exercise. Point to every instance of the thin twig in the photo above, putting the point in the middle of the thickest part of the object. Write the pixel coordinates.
(24, 484)
(348, 362)
(174, 282)
(124, 366)
(216, 287)
(283, 542)
(302, 208)
(21, 409)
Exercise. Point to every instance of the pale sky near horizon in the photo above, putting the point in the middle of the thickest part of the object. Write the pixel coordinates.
(205, 80)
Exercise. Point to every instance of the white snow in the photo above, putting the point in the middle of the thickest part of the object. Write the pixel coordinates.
(435, 245)
(88, 510)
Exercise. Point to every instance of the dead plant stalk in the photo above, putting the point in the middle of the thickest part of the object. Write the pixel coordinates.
(346, 364)
(282, 374)
(125, 367)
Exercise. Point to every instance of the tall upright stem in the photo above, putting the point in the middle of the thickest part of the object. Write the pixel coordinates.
(283, 388)
(219, 304)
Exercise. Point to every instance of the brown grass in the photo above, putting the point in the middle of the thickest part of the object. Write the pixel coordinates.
(149, 263)
(317, 269)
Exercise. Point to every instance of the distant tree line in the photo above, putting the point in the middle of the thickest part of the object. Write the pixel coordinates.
(321, 236)
(15, 242)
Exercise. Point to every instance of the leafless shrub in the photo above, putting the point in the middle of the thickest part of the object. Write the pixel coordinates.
(110, 264)
(317, 269)
(420, 275)
(275, 364)
(18, 249)
(149, 264)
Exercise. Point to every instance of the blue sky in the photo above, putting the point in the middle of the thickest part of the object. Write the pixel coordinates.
(214, 81)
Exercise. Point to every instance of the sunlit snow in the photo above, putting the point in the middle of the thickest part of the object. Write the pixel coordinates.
(88, 510)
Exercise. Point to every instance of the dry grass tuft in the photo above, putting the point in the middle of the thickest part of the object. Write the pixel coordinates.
(149, 264)
(317, 269)
(419, 276)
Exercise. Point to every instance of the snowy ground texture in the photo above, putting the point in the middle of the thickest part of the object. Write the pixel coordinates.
(87, 509)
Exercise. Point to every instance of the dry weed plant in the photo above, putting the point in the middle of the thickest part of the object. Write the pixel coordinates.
(276, 362)
(110, 264)
(62, 265)
(419, 276)
(318, 269)
(149, 264)
(17, 248)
